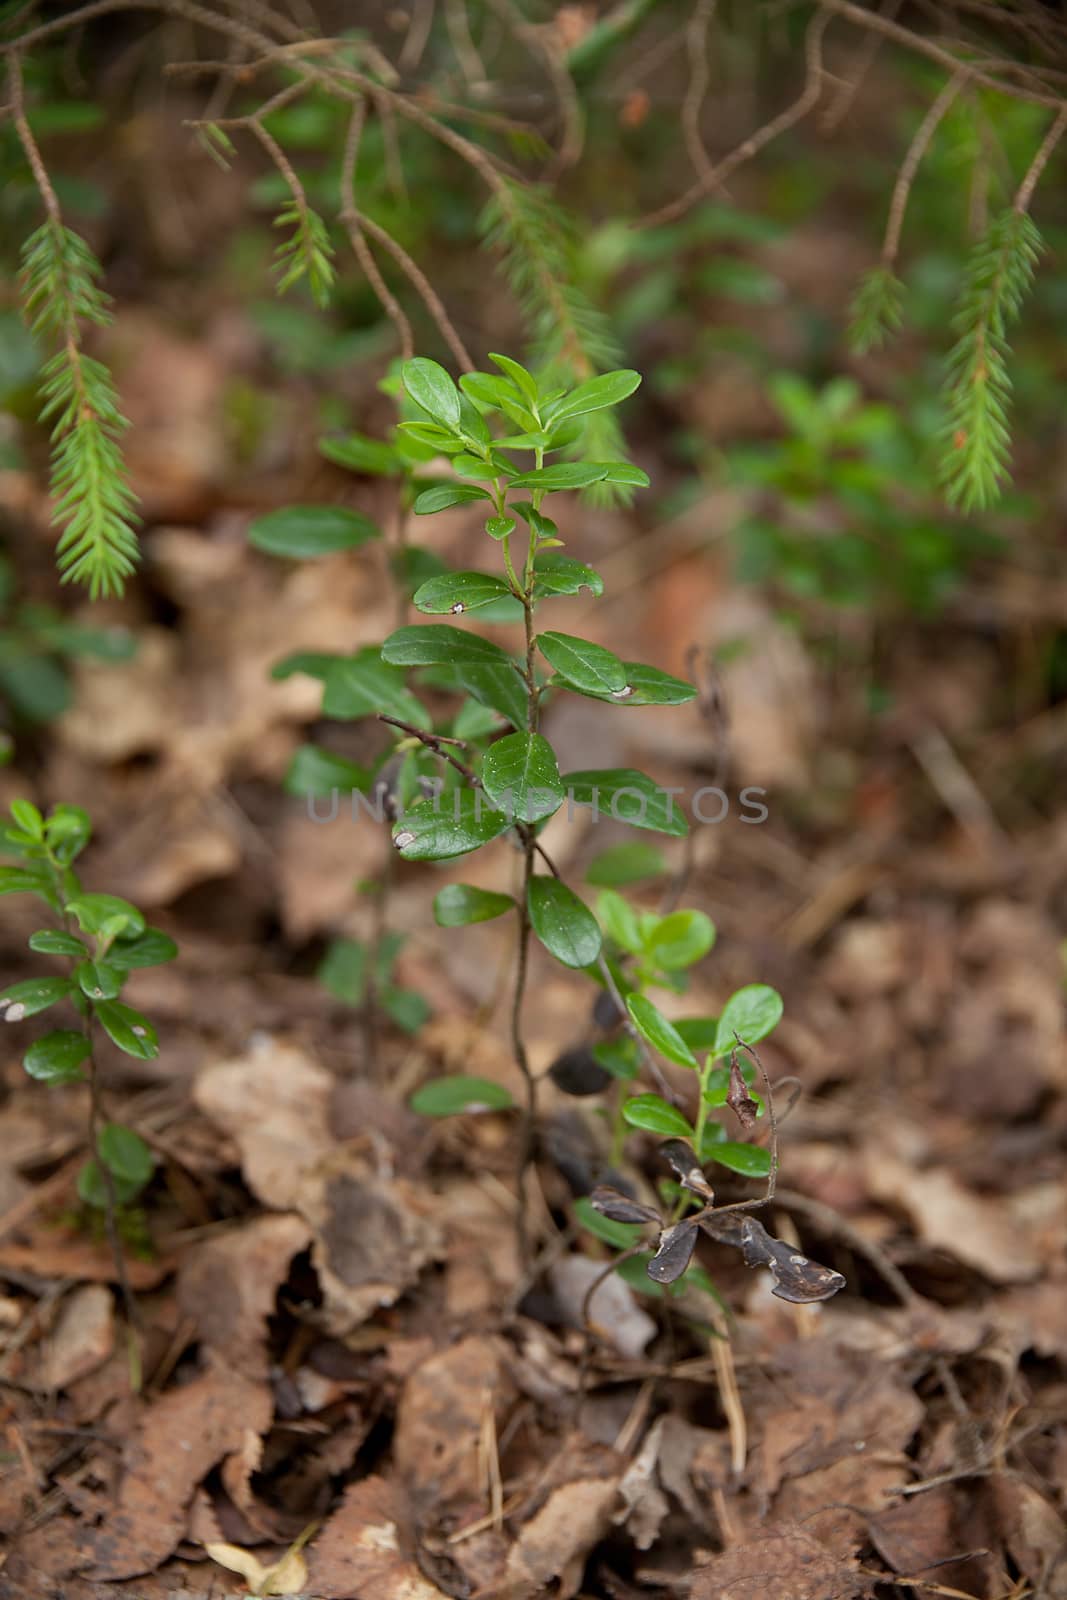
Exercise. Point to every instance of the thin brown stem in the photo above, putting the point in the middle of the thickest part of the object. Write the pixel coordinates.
(1040, 161)
(353, 221)
(436, 742)
(910, 165)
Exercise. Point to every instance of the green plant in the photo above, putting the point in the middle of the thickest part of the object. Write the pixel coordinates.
(842, 508)
(101, 939)
(36, 642)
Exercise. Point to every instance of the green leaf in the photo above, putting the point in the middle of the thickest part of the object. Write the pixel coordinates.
(23, 880)
(648, 686)
(93, 1191)
(313, 663)
(98, 980)
(405, 1007)
(561, 475)
(752, 1012)
(57, 1057)
(627, 796)
(565, 926)
(620, 1235)
(362, 685)
(500, 527)
(559, 574)
(152, 948)
(751, 1160)
(32, 995)
(625, 863)
(651, 1112)
(343, 971)
(699, 1033)
(501, 688)
(439, 644)
(462, 821)
(459, 591)
(315, 771)
(596, 393)
(449, 1097)
(125, 1154)
(474, 721)
(430, 386)
(68, 830)
(95, 912)
(583, 665)
(28, 818)
(360, 454)
(127, 1028)
(524, 381)
(662, 1035)
(301, 532)
(680, 939)
(459, 904)
(624, 472)
(50, 943)
(521, 777)
(444, 495)
(618, 1056)
(619, 920)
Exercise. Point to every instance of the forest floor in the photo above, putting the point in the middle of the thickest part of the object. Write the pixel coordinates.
(336, 1330)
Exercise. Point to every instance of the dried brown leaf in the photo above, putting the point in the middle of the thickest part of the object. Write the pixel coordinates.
(786, 1564)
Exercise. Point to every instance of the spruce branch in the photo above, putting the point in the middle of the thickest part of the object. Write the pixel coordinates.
(60, 295)
(876, 311)
(977, 392)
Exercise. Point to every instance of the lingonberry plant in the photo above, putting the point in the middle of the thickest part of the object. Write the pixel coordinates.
(449, 787)
(102, 939)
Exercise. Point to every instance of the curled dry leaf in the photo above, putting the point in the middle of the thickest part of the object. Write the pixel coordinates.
(82, 1338)
(619, 1207)
(687, 1169)
(179, 1439)
(287, 1576)
(228, 1285)
(573, 1516)
(796, 1278)
(741, 1103)
(676, 1246)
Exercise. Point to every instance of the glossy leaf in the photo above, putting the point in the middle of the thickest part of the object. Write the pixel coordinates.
(357, 453)
(559, 574)
(315, 771)
(752, 1013)
(127, 1028)
(439, 644)
(561, 475)
(304, 532)
(680, 939)
(456, 592)
(152, 948)
(524, 381)
(499, 687)
(430, 386)
(655, 1029)
(649, 687)
(459, 904)
(57, 1057)
(462, 821)
(50, 942)
(32, 995)
(450, 1097)
(751, 1160)
(96, 912)
(619, 920)
(125, 1154)
(595, 394)
(627, 796)
(363, 684)
(675, 1251)
(583, 665)
(98, 980)
(445, 495)
(521, 777)
(652, 1113)
(565, 926)
(621, 864)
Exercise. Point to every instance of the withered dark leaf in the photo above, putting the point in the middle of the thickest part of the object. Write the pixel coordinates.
(619, 1207)
(796, 1278)
(676, 1245)
(739, 1100)
(690, 1173)
(578, 1072)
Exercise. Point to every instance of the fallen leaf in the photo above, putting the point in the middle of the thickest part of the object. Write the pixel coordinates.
(178, 1440)
(614, 1311)
(786, 1564)
(82, 1338)
(575, 1514)
(440, 1424)
(287, 1576)
(228, 1286)
(359, 1550)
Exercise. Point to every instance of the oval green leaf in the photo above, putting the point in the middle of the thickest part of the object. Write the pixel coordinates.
(32, 995)
(627, 796)
(430, 386)
(557, 574)
(595, 394)
(95, 912)
(304, 532)
(521, 777)
(650, 687)
(439, 645)
(750, 1160)
(652, 1113)
(150, 949)
(680, 939)
(57, 1058)
(357, 453)
(363, 684)
(127, 1028)
(621, 864)
(752, 1013)
(654, 1028)
(565, 926)
(456, 592)
(450, 1097)
(461, 821)
(49, 942)
(583, 665)
(315, 771)
(562, 475)
(460, 904)
(125, 1154)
